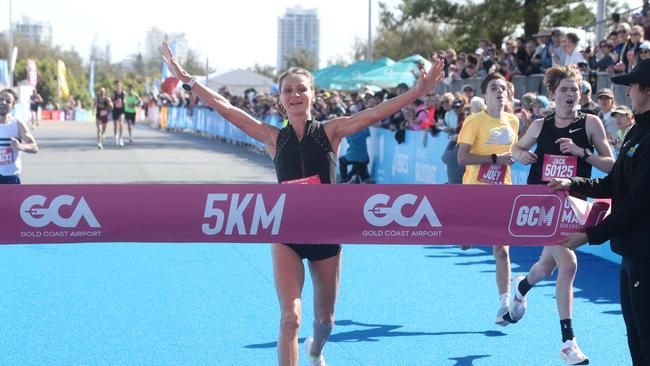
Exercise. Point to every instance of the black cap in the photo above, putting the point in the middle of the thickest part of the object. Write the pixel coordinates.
(640, 75)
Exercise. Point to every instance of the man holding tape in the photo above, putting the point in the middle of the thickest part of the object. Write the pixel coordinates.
(565, 141)
(627, 226)
(14, 139)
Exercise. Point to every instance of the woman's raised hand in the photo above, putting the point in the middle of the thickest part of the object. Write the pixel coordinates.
(174, 67)
(427, 80)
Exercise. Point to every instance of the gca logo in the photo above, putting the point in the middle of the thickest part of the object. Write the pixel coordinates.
(378, 213)
(35, 214)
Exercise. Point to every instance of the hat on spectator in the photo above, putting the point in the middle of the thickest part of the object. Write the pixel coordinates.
(556, 32)
(542, 100)
(402, 85)
(542, 33)
(586, 87)
(467, 87)
(640, 75)
(605, 92)
(645, 45)
(623, 111)
(462, 55)
(479, 51)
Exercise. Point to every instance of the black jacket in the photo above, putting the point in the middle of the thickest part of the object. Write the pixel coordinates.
(628, 185)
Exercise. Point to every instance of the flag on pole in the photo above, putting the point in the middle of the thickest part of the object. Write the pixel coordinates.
(91, 79)
(64, 92)
(148, 86)
(32, 75)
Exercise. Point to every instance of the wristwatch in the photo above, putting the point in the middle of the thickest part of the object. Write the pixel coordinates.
(494, 158)
(588, 153)
(190, 83)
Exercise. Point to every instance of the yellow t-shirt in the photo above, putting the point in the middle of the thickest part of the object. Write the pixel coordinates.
(488, 135)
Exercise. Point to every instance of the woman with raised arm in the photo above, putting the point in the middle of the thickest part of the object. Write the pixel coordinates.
(305, 151)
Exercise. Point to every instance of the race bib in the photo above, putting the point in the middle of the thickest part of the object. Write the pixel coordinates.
(559, 166)
(103, 113)
(492, 173)
(6, 155)
(314, 179)
(119, 103)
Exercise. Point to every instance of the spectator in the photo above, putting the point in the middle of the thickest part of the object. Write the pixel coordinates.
(543, 48)
(644, 50)
(624, 120)
(571, 51)
(468, 91)
(587, 105)
(606, 61)
(623, 46)
(557, 51)
(607, 104)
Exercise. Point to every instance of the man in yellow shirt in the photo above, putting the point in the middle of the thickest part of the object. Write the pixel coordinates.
(486, 141)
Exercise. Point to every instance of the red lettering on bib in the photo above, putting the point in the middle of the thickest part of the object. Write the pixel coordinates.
(314, 179)
(492, 173)
(559, 166)
(6, 155)
(103, 113)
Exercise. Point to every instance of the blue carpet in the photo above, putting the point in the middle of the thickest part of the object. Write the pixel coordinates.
(214, 304)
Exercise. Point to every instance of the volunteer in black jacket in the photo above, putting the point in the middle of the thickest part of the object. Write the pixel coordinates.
(628, 225)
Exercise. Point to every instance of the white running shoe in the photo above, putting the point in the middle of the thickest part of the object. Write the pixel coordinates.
(121, 142)
(312, 360)
(100, 146)
(572, 354)
(503, 316)
(519, 303)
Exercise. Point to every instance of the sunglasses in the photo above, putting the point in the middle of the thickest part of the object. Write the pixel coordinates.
(622, 31)
(635, 34)
(644, 51)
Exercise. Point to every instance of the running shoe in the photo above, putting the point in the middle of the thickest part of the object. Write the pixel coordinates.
(121, 142)
(130, 140)
(519, 303)
(313, 360)
(100, 146)
(503, 316)
(572, 354)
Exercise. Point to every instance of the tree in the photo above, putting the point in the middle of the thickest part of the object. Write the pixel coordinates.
(301, 57)
(492, 20)
(266, 70)
(417, 37)
(192, 65)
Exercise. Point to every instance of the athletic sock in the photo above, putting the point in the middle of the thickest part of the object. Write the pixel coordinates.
(524, 286)
(567, 330)
(504, 299)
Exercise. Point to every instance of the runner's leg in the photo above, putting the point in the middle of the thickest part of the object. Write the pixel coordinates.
(289, 275)
(325, 276)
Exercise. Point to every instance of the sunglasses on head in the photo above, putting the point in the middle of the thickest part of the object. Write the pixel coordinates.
(622, 31)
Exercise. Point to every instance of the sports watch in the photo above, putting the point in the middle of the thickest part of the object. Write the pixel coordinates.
(190, 83)
(494, 158)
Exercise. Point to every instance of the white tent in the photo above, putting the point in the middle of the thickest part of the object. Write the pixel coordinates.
(237, 81)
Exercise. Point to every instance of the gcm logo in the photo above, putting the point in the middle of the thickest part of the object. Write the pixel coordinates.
(535, 216)
(35, 214)
(378, 213)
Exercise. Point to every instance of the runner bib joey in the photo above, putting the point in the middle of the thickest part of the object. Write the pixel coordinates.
(492, 173)
(6, 155)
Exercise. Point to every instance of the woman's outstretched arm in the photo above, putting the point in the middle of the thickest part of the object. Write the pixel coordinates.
(259, 131)
(345, 126)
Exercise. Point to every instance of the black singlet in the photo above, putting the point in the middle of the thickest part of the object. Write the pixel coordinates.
(576, 131)
(294, 159)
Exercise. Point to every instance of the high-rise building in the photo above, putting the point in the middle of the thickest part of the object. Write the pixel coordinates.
(298, 28)
(155, 38)
(37, 32)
